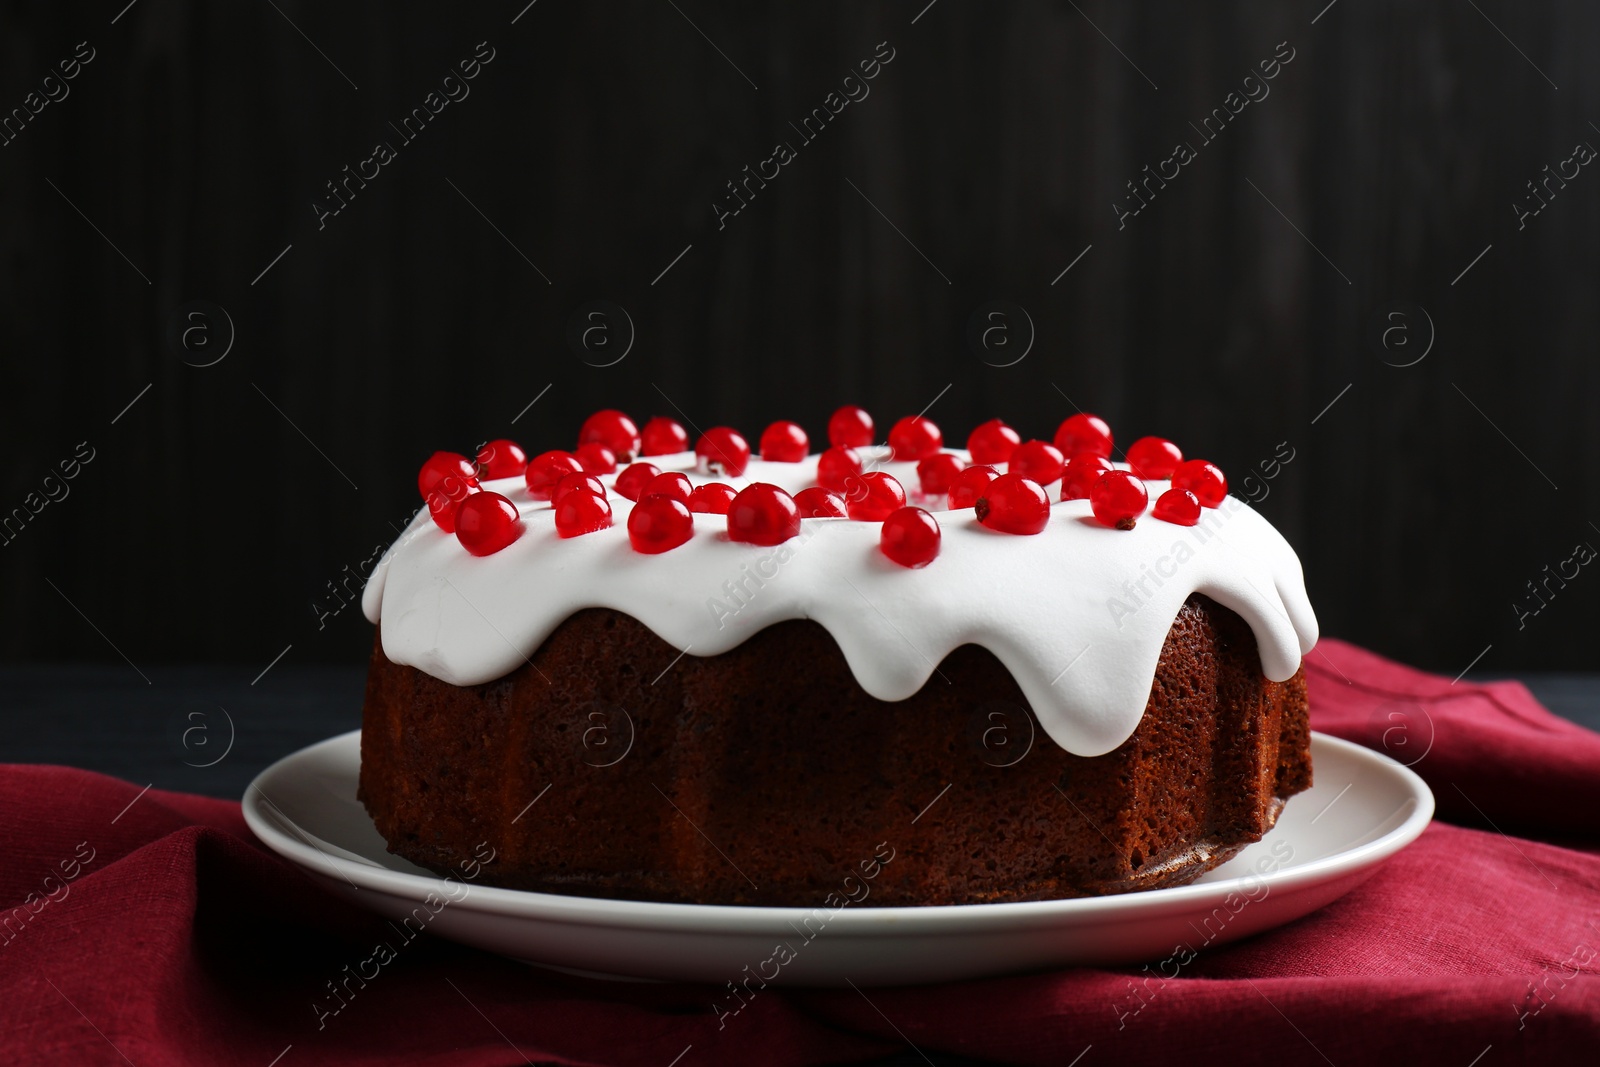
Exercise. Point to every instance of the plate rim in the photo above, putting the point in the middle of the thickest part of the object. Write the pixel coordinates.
(893, 920)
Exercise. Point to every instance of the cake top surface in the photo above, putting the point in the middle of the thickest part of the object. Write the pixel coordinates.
(1077, 612)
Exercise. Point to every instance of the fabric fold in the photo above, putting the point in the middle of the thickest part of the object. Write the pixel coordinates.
(151, 927)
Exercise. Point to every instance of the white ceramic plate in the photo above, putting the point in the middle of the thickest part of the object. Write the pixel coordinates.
(1363, 808)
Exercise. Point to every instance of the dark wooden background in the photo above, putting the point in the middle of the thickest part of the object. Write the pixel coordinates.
(1227, 315)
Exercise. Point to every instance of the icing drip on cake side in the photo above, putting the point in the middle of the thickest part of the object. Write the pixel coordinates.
(1078, 613)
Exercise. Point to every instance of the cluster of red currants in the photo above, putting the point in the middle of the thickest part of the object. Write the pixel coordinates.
(765, 514)
(1080, 458)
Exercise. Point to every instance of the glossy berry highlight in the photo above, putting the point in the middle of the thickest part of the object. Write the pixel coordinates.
(970, 484)
(910, 537)
(915, 437)
(938, 472)
(1014, 504)
(631, 482)
(1037, 461)
(763, 514)
(1204, 479)
(1177, 506)
(993, 442)
(784, 442)
(444, 465)
(614, 430)
(487, 522)
(501, 459)
(873, 496)
(596, 458)
(722, 450)
(662, 437)
(581, 512)
(850, 427)
(1082, 433)
(1118, 499)
(585, 483)
(442, 508)
(548, 468)
(659, 524)
(446, 479)
(836, 466)
(712, 498)
(1082, 471)
(819, 503)
(1154, 458)
(674, 484)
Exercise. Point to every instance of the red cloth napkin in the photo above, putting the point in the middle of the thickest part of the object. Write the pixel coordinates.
(165, 935)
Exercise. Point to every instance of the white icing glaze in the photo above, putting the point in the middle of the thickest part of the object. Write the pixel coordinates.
(1077, 613)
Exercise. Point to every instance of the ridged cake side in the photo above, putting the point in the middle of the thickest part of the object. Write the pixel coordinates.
(766, 774)
(1038, 603)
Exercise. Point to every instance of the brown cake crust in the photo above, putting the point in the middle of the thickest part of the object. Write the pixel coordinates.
(766, 775)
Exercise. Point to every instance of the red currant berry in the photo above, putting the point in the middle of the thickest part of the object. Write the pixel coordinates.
(970, 484)
(1154, 457)
(548, 468)
(596, 458)
(1039, 461)
(993, 442)
(614, 430)
(1014, 504)
(1118, 499)
(442, 465)
(836, 466)
(915, 437)
(910, 537)
(673, 483)
(446, 480)
(763, 514)
(580, 513)
(502, 459)
(820, 503)
(1177, 506)
(936, 473)
(659, 523)
(722, 450)
(586, 483)
(873, 496)
(662, 437)
(1084, 433)
(631, 482)
(850, 427)
(784, 442)
(1204, 479)
(1082, 471)
(712, 498)
(442, 505)
(486, 523)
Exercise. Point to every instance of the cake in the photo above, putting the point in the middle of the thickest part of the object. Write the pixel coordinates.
(1016, 671)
